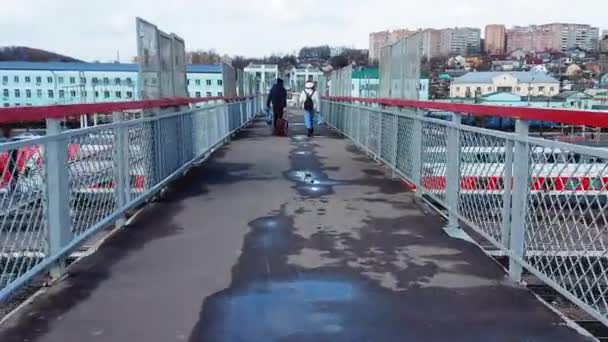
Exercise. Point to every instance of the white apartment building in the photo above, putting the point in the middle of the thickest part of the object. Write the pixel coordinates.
(431, 43)
(522, 83)
(46, 83)
(265, 75)
(460, 40)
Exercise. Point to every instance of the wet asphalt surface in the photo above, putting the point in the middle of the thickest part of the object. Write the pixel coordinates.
(286, 239)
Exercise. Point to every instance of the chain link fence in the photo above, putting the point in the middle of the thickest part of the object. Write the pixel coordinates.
(58, 190)
(543, 203)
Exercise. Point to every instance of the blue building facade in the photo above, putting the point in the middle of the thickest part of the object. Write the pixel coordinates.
(38, 84)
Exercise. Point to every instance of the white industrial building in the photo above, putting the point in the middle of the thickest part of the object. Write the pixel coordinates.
(522, 83)
(45, 83)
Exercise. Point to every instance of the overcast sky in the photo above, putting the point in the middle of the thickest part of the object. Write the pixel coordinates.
(95, 30)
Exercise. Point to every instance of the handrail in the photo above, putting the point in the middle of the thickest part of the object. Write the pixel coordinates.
(38, 113)
(557, 115)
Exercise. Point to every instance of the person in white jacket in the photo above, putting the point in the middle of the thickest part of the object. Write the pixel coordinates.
(309, 98)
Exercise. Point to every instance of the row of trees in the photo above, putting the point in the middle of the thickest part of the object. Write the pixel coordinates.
(319, 55)
(23, 53)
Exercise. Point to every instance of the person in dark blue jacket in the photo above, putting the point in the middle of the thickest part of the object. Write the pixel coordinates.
(278, 98)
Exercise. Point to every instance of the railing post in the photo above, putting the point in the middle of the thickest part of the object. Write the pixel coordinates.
(243, 113)
(395, 143)
(506, 195)
(121, 164)
(380, 132)
(57, 195)
(453, 172)
(417, 161)
(521, 160)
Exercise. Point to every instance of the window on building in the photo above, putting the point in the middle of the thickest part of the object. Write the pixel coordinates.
(117, 81)
(38, 79)
(129, 81)
(106, 94)
(50, 94)
(5, 93)
(118, 94)
(188, 81)
(7, 104)
(83, 80)
(552, 89)
(208, 82)
(84, 93)
(220, 82)
(197, 94)
(17, 93)
(60, 79)
(197, 82)
(208, 94)
(49, 80)
(28, 79)
(478, 90)
(17, 104)
(219, 93)
(94, 80)
(39, 93)
(72, 80)
(28, 93)
(530, 88)
(16, 79)
(489, 89)
(106, 81)
(96, 93)
(457, 88)
(61, 94)
(518, 88)
(4, 79)
(72, 93)
(129, 94)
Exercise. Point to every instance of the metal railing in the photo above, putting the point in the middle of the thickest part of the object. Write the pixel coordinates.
(543, 203)
(58, 190)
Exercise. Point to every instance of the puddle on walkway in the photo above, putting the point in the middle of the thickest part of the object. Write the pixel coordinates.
(282, 290)
(312, 183)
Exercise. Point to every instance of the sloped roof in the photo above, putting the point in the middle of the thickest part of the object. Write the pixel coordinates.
(81, 66)
(365, 73)
(566, 94)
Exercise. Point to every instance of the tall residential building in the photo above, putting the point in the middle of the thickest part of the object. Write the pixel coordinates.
(431, 43)
(585, 37)
(495, 39)
(378, 40)
(532, 38)
(460, 40)
(553, 37)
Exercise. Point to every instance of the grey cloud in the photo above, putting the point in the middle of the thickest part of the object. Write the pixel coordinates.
(97, 29)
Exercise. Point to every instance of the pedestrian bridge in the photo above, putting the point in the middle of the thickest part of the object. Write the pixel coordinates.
(195, 224)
